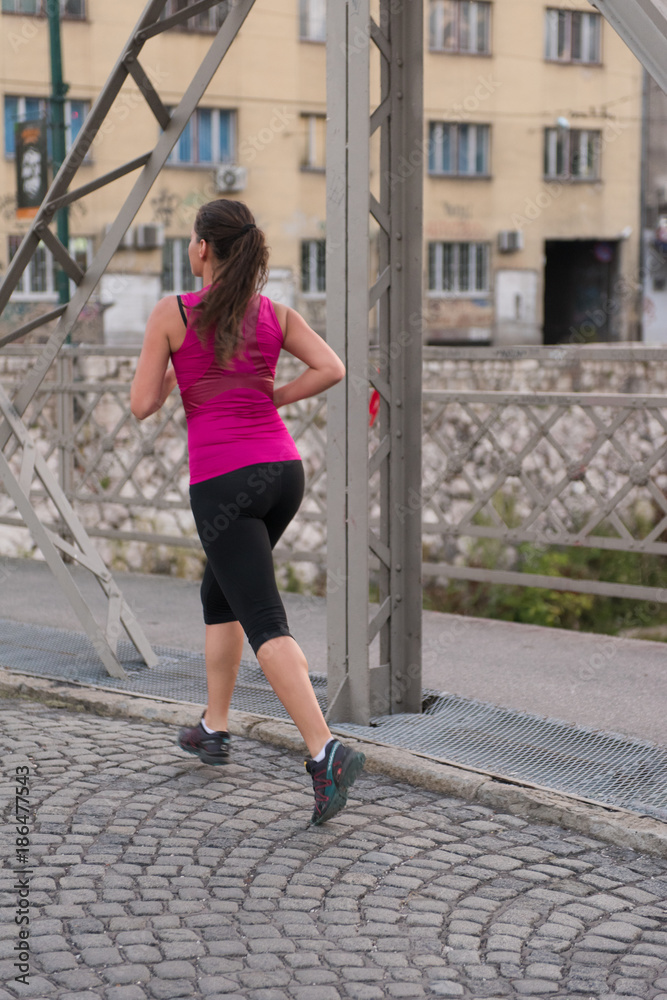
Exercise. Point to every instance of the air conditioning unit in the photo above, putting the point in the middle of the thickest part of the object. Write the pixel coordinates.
(510, 240)
(229, 178)
(149, 237)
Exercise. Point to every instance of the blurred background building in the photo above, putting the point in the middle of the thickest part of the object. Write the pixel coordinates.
(534, 155)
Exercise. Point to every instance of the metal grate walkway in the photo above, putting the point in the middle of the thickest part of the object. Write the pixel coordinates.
(606, 767)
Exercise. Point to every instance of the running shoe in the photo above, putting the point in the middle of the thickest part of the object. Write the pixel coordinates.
(211, 748)
(332, 779)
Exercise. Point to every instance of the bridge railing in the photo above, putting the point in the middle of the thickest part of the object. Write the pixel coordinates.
(547, 446)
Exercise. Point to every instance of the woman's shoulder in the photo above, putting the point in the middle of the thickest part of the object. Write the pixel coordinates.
(190, 299)
(278, 310)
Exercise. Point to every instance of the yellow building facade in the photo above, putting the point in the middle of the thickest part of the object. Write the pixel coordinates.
(531, 157)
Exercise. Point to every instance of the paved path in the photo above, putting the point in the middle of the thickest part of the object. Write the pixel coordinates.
(158, 878)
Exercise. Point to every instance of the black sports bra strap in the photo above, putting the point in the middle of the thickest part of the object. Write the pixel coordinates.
(180, 306)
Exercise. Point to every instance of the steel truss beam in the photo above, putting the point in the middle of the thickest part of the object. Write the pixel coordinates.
(642, 24)
(81, 549)
(355, 691)
(12, 430)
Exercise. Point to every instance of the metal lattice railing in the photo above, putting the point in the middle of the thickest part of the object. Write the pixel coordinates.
(571, 469)
(585, 469)
(128, 479)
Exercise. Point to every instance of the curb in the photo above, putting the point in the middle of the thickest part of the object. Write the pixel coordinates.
(615, 826)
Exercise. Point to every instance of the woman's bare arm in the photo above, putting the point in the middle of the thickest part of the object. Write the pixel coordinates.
(154, 379)
(324, 366)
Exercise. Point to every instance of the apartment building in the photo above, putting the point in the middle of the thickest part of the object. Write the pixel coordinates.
(258, 135)
(532, 197)
(531, 157)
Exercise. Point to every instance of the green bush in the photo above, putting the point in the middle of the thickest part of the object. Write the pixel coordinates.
(556, 608)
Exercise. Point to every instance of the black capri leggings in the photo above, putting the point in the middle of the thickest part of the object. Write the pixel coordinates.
(240, 516)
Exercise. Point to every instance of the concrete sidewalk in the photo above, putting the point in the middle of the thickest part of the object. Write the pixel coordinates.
(610, 684)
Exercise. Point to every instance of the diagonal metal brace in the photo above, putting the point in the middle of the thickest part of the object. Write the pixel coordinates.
(642, 24)
(156, 160)
(82, 550)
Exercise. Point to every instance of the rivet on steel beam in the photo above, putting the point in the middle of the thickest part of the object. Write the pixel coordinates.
(398, 598)
(399, 433)
(399, 95)
(399, 402)
(399, 236)
(399, 266)
(399, 62)
(398, 567)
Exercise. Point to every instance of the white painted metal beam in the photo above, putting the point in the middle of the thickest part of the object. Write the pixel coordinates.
(642, 24)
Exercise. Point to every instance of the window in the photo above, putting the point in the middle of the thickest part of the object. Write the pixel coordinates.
(73, 8)
(458, 150)
(81, 249)
(458, 268)
(460, 26)
(313, 267)
(209, 21)
(313, 20)
(21, 109)
(209, 137)
(38, 280)
(316, 135)
(68, 8)
(21, 6)
(75, 114)
(572, 154)
(572, 36)
(176, 273)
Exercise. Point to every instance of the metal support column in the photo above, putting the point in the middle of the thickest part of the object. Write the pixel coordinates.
(355, 691)
(13, 433)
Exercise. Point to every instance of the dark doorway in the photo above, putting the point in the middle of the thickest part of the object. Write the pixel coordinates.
(580, 306)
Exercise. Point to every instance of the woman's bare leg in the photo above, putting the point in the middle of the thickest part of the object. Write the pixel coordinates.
(286, 670)
(223, 649)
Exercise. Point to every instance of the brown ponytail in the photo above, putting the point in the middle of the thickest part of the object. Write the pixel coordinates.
(240, 272)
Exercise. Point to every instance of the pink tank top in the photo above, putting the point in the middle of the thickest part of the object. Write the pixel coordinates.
(232, 420)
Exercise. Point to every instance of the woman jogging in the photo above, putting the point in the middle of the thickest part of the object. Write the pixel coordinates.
(246, 475)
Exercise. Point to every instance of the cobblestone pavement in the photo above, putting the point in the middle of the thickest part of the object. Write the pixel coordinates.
(159, 878)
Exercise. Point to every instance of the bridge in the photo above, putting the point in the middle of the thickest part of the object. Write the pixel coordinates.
(119, 651)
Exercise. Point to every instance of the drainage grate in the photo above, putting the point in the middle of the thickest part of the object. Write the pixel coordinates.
(180, 674)
(607, 767)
